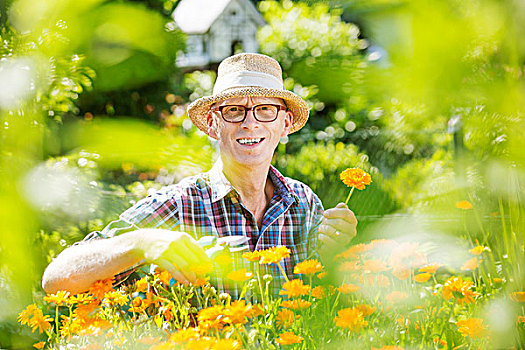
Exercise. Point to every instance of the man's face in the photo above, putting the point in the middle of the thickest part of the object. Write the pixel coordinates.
(249, 142)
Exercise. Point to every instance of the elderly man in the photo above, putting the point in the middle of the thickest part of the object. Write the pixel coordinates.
(242, 195)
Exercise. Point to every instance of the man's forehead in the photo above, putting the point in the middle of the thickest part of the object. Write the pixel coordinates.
(254, 100)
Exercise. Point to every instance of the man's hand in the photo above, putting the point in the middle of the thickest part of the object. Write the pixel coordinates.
(338, 228)
(174, 251)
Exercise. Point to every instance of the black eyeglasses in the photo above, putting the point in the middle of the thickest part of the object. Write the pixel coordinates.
(263, 113)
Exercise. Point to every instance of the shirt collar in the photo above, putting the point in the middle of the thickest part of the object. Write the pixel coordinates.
(220, 186)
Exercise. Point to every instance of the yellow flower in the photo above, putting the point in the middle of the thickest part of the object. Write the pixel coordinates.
(239, 275)
(350, 318)
(388, 347)
(518, 297)
(40, 322)
(164, 276)
(430, 268)
(147, 340)
(289, 338)
(115, 298)
(422, 277)
(25, 315)
(211, 317)
(346, 288)
(184, 335)
(252, 256)
(39, 345)
(237, 312)
(82, 298)
(460, 290)
(521, 319)
(350, 266)
(366, 309)
(296, 304)
(477, 250)
(318, 292)
(465, 205)
(471, 264)
(355, 177)
(294, 288)
(60, 298)
(274, 255)
(472, 327)
(99, 288)
(396, 296)
(374, 265)
(141, 284)
(308, 267)
(286, 317)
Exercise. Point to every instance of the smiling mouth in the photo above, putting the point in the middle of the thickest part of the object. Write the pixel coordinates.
(247, 141)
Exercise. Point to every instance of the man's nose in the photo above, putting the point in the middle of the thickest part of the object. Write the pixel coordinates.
(250, 121)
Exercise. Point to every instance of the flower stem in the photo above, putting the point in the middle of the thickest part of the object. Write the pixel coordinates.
(349, 195)
(282, 271)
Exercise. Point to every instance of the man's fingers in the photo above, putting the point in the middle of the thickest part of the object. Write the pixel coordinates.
(176, 274)
(341, 213)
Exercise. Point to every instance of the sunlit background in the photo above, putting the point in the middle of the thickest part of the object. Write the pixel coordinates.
(427, 96)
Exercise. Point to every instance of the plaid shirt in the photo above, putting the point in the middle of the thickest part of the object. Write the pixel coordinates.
(208, 205)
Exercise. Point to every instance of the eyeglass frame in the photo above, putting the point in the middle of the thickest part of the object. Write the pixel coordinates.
(252, 108)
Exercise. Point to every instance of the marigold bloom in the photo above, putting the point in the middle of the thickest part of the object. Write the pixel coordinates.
(115, 298)
(401, 272)
(148, 340)
(460, 290)
(477, 250)
(39, 345)
(274, 255)
(353, 251)
(184, 335)
(350, 318)
(240, 275)
(25, 315)
(422, 277)
(465, 205)
(59, 298)
(254, 256)
(366, 309)
(396, 296)
(308, 267)
(470, 264)
(318, 292)
(99, 288)
(430, 268)
(521, 319)
(322, 275)
(237, 312)
(296, 304)
(211, 317)
(40, 322)
(374, 265)
(472, 327)
(355, 177)
(407, 254)
(350, 266)
(141, 284)
(346, 288)
(295, 288)
(289, 338)
(82, 298)
(285, 317)
(164, 276)
(518, 297)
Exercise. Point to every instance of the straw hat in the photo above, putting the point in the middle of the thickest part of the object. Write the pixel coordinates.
(249, 74)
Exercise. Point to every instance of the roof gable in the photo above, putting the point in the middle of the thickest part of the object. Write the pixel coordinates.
(197, 16)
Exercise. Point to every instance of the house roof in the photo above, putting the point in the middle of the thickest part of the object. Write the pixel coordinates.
(197, 16)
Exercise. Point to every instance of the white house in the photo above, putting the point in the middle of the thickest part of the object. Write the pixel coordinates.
(216, 29)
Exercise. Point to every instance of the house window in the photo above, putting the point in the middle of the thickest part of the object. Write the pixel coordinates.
(236, 47)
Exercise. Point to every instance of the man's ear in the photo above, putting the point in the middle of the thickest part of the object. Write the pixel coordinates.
(212, 125)
(288, 118)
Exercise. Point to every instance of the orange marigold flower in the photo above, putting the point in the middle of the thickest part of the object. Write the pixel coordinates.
(252, 256)
(353, 251)
(295, 288)
(521, 319)
(401, 272)
(289, 338)
(39, 345)
(346, 288)
(497, 280)
(308, 267)
(350, 266)
(396, 296)
(40, 322)
(472, 327)
(465, 205)
(430, 268)
(407, 254)
(285, 317)
(184, 335)
(25, 315)
(366, 309)
(164, 276)
(318, 292)
(350, 318)
(141, 284)
(375, 265)
(274, 255)
(422, 277)
(296, 304)
(355, 177)
(59, 298)
(470, 264)
(199, 282)
(518, 297)
(99, 288)
(322, 275)
(115, 298)
(389, 347)
(82, 298)
(460, 290)
(237, 312)
(240, 275)
(477, 250)
(149, 340)
(223, 344)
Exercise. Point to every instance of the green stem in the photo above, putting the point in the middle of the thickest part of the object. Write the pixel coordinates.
(282, 271)
(349, 195)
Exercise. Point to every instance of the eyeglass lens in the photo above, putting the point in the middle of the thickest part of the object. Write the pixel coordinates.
(263, 113)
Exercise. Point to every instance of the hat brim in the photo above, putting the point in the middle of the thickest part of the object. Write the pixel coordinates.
(199, 108)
